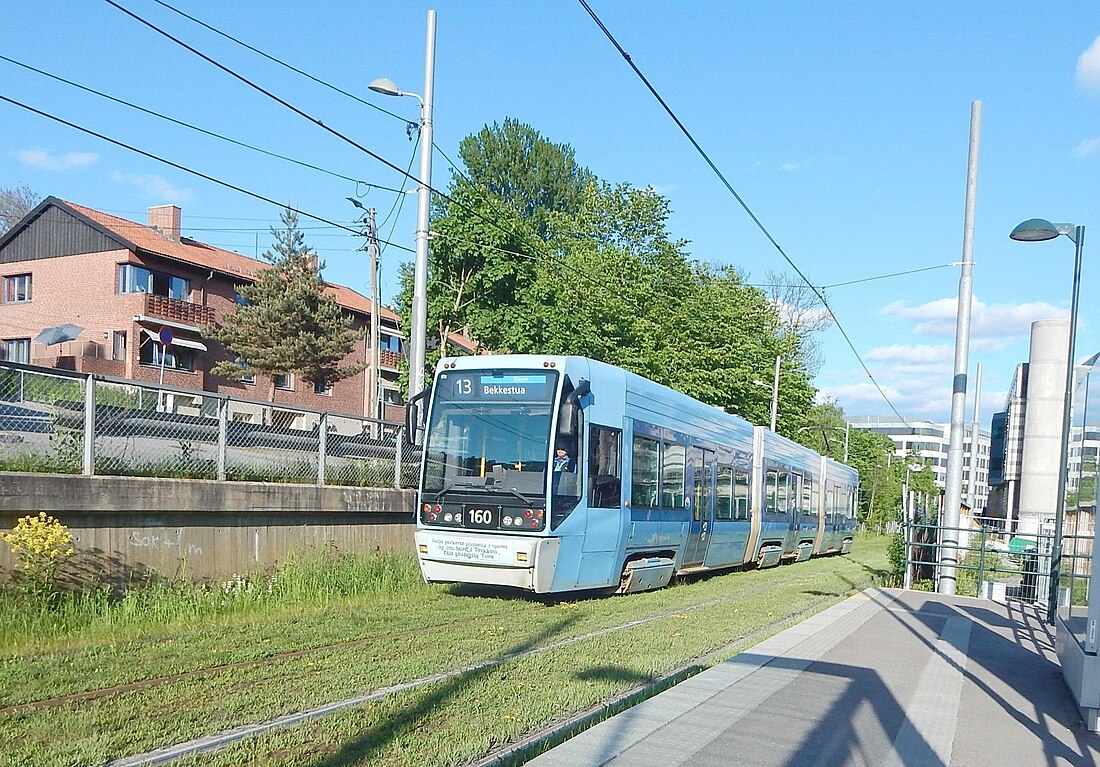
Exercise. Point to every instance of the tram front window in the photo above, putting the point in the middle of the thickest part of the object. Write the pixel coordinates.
(490, 429)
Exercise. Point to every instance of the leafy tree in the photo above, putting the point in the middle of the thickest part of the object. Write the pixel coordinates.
(287, 324)
(516, 164)
(16, 202)
(535, 255)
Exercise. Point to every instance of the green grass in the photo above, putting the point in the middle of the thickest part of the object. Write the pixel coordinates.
(367, 624)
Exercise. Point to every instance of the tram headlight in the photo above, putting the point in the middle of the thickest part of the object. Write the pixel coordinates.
(506, 521)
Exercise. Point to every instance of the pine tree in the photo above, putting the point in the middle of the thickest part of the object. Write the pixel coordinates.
(286, 323)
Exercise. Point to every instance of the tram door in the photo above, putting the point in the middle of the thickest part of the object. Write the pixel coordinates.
(702, 505)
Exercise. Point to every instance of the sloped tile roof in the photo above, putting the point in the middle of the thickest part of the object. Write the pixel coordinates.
(200, 254)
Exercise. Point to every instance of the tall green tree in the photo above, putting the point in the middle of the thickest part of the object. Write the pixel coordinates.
(286, 323)
(533, 254)
(516, 164)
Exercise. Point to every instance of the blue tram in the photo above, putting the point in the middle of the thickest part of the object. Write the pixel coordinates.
(555, 474)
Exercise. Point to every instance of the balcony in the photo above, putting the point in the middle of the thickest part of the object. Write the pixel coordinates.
(184, 312)
(388, 359)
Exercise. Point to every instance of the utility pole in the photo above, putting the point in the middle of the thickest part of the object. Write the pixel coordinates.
(376, 353)
(949, 519)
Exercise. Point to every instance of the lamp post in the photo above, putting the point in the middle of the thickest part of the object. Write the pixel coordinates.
(418, 334)
(1037, 230)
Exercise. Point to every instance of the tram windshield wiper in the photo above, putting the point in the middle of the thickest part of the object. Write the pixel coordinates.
(453, 482)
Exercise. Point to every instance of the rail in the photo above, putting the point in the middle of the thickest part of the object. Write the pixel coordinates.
(55, 421)
(993, 564)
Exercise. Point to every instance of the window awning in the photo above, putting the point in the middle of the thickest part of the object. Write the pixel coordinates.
(186, 343)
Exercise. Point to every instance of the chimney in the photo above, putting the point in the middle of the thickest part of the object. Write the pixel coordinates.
(166, 220)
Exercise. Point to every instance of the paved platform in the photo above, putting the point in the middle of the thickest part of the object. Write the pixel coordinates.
(887, 678)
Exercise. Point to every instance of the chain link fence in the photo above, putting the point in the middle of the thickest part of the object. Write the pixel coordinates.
(58, 422)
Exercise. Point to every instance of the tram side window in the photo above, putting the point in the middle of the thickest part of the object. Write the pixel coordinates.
(809, 508)
(645, 464)
(795, 493)
(672, 477)
(741, 495)
(605, 459)
(815, 497)
(770, 491)
(782, 496)
(723, 503)
(853, 513)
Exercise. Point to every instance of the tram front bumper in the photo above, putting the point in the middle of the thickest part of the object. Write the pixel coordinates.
(501, 560)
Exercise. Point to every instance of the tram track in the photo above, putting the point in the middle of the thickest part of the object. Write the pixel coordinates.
(304, 653)
(218, 740)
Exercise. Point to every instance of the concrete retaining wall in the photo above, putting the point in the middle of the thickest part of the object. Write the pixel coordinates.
(131, 527)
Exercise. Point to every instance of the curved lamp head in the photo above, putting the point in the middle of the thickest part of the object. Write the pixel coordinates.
(1035, 230)
(385, 86)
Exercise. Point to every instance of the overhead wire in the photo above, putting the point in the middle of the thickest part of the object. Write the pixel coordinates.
(305, 115)
(279, 61)
(729, 187)
(186, 169)
(189, 126)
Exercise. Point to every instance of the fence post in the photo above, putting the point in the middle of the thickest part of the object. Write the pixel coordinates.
(909, 533)
(89, 426)
(398, 440)
(223, 436)
(322, 447)
(981, 566)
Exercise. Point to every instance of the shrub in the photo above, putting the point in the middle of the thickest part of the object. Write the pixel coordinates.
(42, 544)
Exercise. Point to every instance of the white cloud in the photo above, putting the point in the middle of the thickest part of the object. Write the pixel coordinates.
(1086, 148)
(154, 187)
(918, 353)
(986, 320)
(790, 167)
(1088, 66)
(40, 158)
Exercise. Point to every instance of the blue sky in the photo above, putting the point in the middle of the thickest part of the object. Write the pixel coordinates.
(844, 127)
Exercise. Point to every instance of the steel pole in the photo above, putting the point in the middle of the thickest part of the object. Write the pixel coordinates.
(1067, 414)
(418, 335)
(775, 392)
(949, 519)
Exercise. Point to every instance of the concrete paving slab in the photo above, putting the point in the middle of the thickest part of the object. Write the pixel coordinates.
(888, 678)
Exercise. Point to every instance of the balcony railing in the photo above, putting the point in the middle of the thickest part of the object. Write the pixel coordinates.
(388, 359)
(180, 311)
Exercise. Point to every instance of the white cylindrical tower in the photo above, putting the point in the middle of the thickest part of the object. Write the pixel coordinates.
(1046, 388)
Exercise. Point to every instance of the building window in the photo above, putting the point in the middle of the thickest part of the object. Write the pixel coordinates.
(284, 381)
(322, 385)
(392, 397)
(138, 279)
(389, 343)
(17, 350)
(176, 358)
(17, 289)
(247, 377)
(118, 345)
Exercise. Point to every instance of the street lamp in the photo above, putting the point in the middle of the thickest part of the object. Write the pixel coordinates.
(418, 334)
(1037, 230)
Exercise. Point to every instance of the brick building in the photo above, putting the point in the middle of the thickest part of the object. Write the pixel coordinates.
(122, 282)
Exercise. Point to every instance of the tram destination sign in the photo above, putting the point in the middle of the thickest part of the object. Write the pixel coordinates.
(499, 386)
